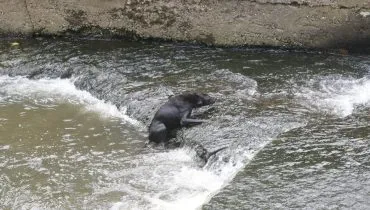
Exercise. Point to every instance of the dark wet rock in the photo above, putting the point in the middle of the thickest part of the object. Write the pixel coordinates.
(66, 75)
(34, 74)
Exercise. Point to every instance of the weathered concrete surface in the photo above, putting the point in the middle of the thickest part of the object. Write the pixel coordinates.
(286, 23)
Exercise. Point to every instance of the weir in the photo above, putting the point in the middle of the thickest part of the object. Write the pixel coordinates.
(261, 95)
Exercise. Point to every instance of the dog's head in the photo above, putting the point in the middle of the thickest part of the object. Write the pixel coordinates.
(195, 99)
(201, 99)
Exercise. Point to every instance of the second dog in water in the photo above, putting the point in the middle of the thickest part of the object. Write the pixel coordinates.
(176, 113)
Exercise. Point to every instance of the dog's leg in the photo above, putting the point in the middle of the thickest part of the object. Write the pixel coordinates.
(157, 132)
(186, 121)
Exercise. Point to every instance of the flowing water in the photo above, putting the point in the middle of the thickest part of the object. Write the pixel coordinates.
(295, 126)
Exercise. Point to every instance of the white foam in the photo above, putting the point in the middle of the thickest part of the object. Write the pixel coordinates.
(46, 91)
(178, 183)
(174, 182)
(365, 14)
(337, 96)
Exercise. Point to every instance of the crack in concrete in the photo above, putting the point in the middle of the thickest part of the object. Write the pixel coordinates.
(307, 4)
(29, 16)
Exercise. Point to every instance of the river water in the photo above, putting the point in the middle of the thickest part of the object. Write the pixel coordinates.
(295, 124)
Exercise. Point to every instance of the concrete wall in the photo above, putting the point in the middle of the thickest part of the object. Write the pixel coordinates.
(286, 23)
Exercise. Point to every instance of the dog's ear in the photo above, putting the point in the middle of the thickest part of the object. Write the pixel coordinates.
(205, 99)
(199, 99)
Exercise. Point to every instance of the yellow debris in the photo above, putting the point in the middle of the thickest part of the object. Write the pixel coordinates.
(13, 44)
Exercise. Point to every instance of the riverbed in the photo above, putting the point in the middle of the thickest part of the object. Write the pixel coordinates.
(74, 117)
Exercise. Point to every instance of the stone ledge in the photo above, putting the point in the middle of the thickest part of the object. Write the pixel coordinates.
(278, 23)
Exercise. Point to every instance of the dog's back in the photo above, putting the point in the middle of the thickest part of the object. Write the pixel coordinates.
(170, 114)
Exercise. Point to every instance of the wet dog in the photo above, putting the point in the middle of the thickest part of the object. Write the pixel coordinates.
(176, 113)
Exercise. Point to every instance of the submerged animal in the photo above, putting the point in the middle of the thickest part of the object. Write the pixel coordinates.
(176, 113)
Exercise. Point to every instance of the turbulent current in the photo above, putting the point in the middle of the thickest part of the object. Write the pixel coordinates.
(74, 117)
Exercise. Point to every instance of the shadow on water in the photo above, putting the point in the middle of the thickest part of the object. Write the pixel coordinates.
(307, 104)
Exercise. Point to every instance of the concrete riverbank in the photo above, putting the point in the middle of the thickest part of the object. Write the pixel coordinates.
(279, 23)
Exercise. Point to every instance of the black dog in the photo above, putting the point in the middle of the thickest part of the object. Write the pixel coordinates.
(175, 114)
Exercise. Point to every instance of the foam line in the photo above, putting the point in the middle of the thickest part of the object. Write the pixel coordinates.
(46, 91)
(337, 96)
